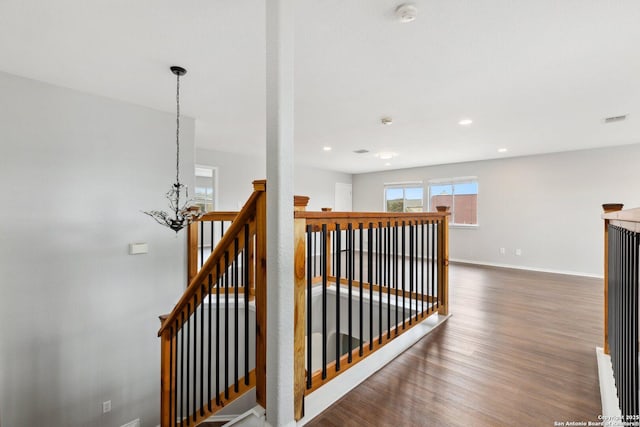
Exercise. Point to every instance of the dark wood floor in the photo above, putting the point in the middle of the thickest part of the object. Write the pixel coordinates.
(519, 350)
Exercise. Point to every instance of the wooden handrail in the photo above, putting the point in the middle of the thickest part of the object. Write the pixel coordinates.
(219, 216)
(628, 219)
(383, 216)
(245, 215)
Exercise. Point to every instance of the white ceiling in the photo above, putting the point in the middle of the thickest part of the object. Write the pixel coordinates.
(535, 76)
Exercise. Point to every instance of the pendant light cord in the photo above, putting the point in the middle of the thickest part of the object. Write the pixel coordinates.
(178, 129)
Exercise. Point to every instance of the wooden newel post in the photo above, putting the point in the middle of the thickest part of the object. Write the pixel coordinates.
(192, 250)
(166, 376)
(261, 293)
(443, 265)
(607, 207)
(328, 249)
(299, 270)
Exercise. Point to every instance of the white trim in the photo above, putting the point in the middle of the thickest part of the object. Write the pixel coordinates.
(464, 226)
(522, 267)
(214, 170)
(389, 184)
(452, 180)
(609, 397)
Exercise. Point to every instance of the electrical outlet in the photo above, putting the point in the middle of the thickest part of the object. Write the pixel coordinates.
(518, 252)
(503, 251)
(106, 406)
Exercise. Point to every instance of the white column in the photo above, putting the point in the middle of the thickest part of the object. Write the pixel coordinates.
(280, 312)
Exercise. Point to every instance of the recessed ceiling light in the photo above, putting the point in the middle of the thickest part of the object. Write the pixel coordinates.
(502, 150)
(326, 148)
(465, 122)
(387, 121)
(386, 155)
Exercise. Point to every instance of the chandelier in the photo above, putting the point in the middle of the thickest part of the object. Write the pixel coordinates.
(181, 213)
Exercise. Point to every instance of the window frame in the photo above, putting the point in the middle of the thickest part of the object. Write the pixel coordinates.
(453, 182)
(402, 185)
(214, 185)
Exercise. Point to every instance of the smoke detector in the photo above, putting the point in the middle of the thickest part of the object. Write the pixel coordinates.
(406, 12)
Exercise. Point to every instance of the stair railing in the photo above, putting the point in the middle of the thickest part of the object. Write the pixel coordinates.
(622, 271)
(361, 280)
(208, 340)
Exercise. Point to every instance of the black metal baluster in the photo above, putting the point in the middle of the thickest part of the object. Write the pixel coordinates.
(226, 324)
(625, 282)
(422, 269)
(389, 266)
(310, 268)
(211, 227)
(337, 275)
(195, 357)
(429, 278)
(210, 278)
(202, 290)
(236, 284)
(246, 304)
(415, 267)
(361, 279)
(633, 300)
(380, 280)
(350, 269)
(395, 261)
(188, 359)
(370, 279)
(323, 268)
(410, 268)
(434, 293)
(218, 283)
(404, 268)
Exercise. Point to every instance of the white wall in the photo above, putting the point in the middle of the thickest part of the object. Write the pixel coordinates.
(78, 315)
(549, 205)
(237, 171)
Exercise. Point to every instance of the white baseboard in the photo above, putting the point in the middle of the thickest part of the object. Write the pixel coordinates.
(608, 395)
(521, 267)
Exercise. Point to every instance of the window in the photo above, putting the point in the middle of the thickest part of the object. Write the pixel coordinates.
(205, 185)
(403, 197)
(460, 194)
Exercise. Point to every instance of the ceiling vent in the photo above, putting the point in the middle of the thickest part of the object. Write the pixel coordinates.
(614, 119)
(361, 151)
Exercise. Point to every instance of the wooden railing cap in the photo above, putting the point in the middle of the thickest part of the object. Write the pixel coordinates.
(300, 201)
(260, 185)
